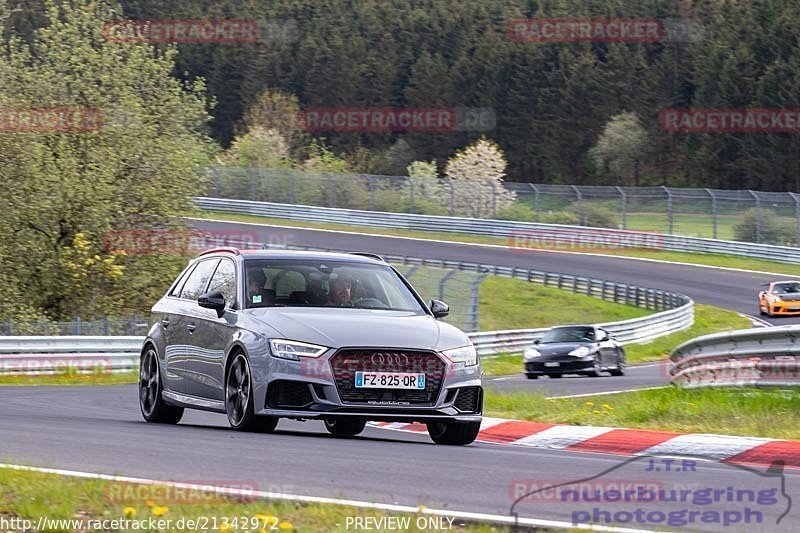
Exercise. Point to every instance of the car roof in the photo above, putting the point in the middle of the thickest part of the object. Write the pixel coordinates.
(574, 326)
(276, 253)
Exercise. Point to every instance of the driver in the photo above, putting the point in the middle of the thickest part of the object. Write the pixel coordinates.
(256, 279)
(341, 291)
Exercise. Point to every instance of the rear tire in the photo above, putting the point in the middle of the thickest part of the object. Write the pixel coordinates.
(239, 399)
(554, 376)
(345, 427)
(154, 408)
(453, 433)
(532, 376)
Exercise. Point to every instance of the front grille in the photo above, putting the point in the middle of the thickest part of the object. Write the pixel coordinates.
(468, 400)
(285, 394)
(346, 362)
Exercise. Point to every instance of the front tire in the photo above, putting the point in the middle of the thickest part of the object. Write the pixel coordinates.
(154, 408)
(532, 376)
(239, 399)
(620, 369)
(345, 427)
(595, 372)
(453, 433)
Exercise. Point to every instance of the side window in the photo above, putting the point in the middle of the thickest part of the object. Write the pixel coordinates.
(196, 284)
(176, 290)
(224, 281)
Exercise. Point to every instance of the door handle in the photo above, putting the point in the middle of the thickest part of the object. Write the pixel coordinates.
(165, 322)
(191, 327)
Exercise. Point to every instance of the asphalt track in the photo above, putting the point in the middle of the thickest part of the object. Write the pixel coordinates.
(100, 429)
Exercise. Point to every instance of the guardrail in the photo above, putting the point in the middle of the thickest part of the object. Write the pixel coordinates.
(56, 354)
(767, 357)
(521, 235)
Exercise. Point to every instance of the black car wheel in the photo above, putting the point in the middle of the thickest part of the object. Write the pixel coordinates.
(595, 371)
(554, 376)
(239, 399)
(345, 427)
(619, 370)
(532, 376)
(453, 433)
(153, 407)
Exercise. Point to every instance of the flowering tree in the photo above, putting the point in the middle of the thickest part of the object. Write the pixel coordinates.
(477, 173)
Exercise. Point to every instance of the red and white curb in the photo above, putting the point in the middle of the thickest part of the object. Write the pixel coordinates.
(620, 441)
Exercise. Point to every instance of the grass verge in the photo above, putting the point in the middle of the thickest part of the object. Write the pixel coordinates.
(728, 261)
(506, 303)
(103, 378)
(737, 411)
(31, 495)
(707, 319)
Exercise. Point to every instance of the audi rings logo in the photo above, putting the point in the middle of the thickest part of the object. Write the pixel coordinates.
(394, 360)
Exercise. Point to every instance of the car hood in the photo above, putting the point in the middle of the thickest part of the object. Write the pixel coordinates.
(561, 348)
(789, 297)
(337, 328)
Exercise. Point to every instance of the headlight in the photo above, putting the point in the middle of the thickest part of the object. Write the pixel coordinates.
(531, 353)
(773, 298)
(466, 355)
(286, 349)
(583, 351)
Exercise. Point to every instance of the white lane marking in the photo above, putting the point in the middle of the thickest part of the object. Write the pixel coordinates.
(489, 422)
(605, 392)
(709, 446)
(500, 246)
(562, 436)
(758, 322)
(480, 517)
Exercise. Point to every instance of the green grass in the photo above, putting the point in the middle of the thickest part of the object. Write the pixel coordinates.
(506, 303)
(32, 495)
(737, 411)
(728, 261)
(707, 319)
(692, 225)
(103, 378)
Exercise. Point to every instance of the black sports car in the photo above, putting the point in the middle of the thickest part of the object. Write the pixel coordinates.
(586, 350)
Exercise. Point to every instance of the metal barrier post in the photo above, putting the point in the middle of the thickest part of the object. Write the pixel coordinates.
(371, 193)
(758, 216)
(624, 199)
(670, 213)
(535, 201)
(452, 198)
(494, 199)
(796, 216)
(713, 212)
(579, 197)
(443, 281)
(411, 204)
(330, 189)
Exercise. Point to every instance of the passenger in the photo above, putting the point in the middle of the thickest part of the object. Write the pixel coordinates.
(341, 291)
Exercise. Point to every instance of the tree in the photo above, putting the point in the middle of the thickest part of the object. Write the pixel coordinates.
(477, 173)
(621, 147)
(64, 191)
(277, 111)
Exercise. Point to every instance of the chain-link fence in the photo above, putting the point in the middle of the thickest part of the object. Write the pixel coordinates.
(750, 216)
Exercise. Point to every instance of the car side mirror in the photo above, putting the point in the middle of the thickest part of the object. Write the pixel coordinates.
(602, 336)
(213, 300)
(439, 308)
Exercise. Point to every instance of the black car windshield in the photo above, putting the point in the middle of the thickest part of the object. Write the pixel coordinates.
(786, 288)
(576, 334)
(322, 283)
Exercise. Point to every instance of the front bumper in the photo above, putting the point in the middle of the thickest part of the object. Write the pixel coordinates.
(310, 389)
(565, 366)
(785, 308)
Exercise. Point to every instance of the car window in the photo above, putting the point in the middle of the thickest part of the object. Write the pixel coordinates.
(576, 334)
(224, 281)
(196, 284)
(330, 284)
(176, 290)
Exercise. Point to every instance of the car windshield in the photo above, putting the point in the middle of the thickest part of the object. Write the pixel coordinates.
(786, 288)
(577, 334)
(323, 283)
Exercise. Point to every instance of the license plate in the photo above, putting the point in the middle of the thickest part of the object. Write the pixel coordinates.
(390, 380)
(552, 364)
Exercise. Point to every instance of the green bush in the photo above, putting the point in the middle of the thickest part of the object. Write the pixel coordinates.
(559, 217)
(597, 216)
(516, 211)
(774, 230)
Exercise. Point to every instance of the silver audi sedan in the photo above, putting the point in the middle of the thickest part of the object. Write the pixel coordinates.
(266, 334)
